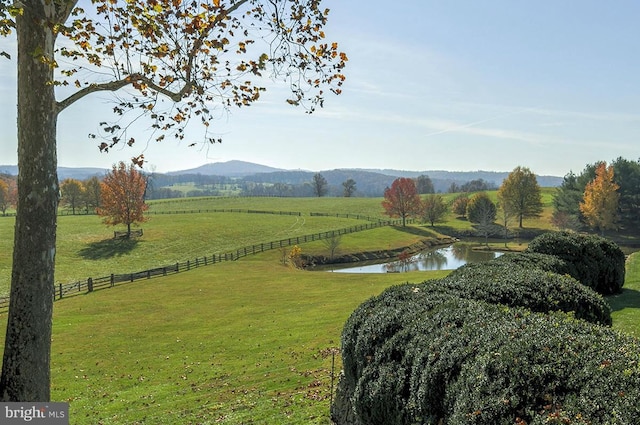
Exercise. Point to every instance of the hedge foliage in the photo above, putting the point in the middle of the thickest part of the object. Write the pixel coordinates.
(511, 283)
(513, 341)
(461, 361)
(595, 261)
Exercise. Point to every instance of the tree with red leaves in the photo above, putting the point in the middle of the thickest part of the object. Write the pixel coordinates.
(122, 197)
(402, 199)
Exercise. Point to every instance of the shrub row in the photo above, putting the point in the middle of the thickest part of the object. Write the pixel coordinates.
(512, 283)
(492, 344)
(594, 261)
(419, 355)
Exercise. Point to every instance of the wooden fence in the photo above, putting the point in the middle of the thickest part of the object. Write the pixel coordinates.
(65, 290)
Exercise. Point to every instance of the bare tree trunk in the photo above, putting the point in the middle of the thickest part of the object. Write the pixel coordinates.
(27, 351)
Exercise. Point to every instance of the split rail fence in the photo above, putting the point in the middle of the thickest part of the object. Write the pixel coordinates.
(65, 290)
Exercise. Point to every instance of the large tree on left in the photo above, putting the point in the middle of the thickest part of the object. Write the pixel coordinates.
(170, 61)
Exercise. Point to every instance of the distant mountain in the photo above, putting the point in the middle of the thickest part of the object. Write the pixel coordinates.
(9, 169)
(80, 173)
(229, 169)
(63, 172)
(369, 182)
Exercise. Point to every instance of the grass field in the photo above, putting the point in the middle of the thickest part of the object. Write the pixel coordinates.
(243, 342)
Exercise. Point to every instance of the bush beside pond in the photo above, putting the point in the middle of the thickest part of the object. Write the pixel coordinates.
(418, 356)
(595, 261)
(487, 345)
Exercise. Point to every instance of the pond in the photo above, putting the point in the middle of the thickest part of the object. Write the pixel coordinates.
(448, 258)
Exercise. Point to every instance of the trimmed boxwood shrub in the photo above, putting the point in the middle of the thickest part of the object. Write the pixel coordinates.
(546, 262)
(489, 344)
(469, 362)
(543, 369)
(595, 261)
(510, 283)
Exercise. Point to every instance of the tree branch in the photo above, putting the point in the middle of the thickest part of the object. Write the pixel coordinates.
(118, 84)
(138, 77)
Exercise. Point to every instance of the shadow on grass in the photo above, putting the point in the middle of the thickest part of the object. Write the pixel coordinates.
(629, 298)
(108, 248)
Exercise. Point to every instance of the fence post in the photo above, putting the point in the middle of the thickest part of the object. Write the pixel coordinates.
(164, 271)
(131, 277)
(177, 267)
(60, 286)
(148, 274)
(90, 285)
(113, 280)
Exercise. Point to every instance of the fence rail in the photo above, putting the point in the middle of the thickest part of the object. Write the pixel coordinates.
(65, 290)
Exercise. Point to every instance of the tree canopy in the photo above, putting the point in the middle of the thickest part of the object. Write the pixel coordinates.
(122, 197)
(319, 185)
(434, 208)
(402, 199)
(520, 194)
(600, 204)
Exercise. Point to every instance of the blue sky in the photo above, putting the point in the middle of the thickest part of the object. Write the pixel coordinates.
(449, 85)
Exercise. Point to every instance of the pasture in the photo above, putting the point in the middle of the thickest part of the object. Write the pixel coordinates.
(247, 341)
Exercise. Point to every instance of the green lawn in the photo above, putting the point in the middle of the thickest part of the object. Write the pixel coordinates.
(236, 342)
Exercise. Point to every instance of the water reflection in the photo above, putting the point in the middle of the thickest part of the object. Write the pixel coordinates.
(448, 258)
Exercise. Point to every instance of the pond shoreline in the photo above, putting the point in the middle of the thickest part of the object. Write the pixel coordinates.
(311, 261)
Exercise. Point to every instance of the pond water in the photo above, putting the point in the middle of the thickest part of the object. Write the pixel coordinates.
(448, 258)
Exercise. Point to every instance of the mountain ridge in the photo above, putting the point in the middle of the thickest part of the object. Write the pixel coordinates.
(265, 174)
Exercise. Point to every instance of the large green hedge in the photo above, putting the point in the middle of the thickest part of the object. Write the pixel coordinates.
(460, 361)
(595, 261)
(513, 284)
(512, 341)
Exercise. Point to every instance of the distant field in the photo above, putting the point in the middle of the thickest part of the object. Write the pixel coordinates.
(236, 342)
(86, 247)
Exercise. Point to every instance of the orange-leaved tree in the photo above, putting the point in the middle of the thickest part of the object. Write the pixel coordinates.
(122, 197)
(402, 199)
(4, 196)
(171, 61)
(600, 202)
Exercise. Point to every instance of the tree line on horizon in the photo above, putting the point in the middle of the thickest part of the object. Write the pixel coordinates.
(603, 197)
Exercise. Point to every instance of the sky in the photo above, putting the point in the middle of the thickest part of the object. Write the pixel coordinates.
(431, 85)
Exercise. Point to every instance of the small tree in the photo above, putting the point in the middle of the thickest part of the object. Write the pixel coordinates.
(402, 200)
(434, 208)
(459, 205)
(482, 211)
(72, 194)
(424, 185)
(332, 243)
(4, 196)
(295, 256)
(566, 203)
(520, 194)
(319, 185)
(349, 187)
(122, 197)
(601, 196)
(92, 193)
(506, 217)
